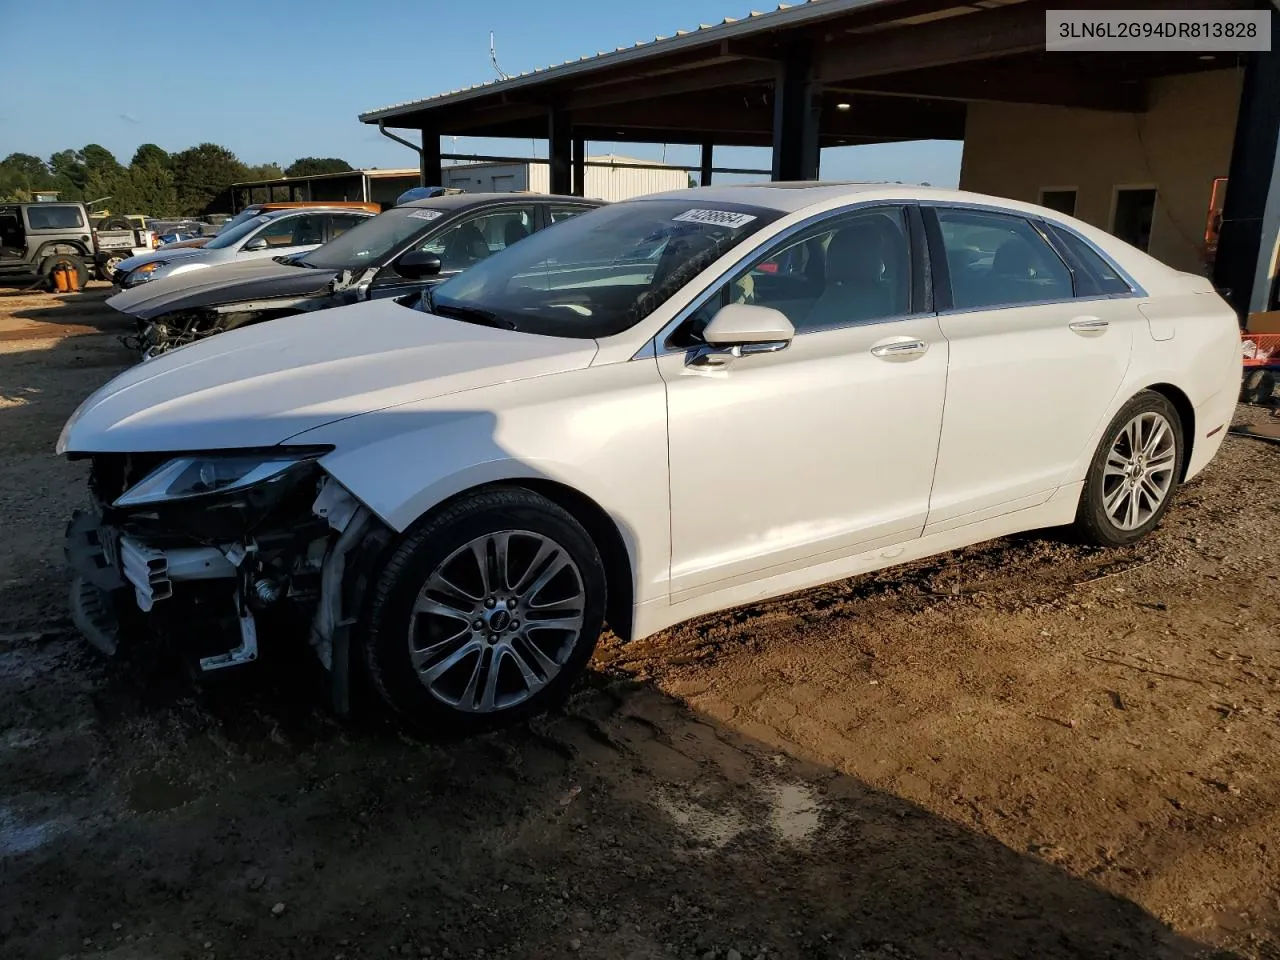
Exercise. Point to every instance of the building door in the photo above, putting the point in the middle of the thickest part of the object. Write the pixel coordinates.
(1132, 220)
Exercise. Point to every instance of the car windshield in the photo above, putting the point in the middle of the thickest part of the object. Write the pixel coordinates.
(373, 239)
(237, 233)
(601, 272)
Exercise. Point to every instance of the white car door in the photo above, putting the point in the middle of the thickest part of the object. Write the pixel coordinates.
(822, 449)
(284, 236)
(1037, 353)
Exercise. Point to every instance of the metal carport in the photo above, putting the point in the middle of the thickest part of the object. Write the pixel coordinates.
(828, 73)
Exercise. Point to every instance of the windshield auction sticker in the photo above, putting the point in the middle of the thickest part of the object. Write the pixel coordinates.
(716, 218)
(424, 214)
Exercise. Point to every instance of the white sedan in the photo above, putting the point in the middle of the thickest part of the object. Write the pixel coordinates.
(658, 409)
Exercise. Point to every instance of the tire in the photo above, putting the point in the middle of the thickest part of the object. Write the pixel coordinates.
(1107, 515)
(115, 223)
(535, 667)
(70, 259)
(109, 262)
(1258, 387)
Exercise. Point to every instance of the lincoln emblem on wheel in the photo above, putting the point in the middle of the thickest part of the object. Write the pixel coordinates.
(657, 409)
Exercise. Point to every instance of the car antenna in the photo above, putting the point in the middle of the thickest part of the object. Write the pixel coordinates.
(493, 59)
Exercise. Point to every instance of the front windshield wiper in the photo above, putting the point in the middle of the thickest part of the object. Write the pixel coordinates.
(472, 315)
(293, 261)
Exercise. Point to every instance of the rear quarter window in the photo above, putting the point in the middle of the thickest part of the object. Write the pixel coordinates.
(54, 217)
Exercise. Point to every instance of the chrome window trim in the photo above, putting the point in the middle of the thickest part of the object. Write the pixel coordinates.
(992, 308)
(657, 346)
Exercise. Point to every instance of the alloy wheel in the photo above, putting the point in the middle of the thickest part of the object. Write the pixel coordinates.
(1138, 474)
(497, 620)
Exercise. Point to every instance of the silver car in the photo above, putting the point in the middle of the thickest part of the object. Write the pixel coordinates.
(274, 234)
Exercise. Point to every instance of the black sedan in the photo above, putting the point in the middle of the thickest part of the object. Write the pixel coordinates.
(395, 254)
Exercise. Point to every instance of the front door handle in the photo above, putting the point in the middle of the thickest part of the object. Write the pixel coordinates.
(1089, 326)
(899, 349)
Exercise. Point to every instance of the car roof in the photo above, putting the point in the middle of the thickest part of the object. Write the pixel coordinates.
(789, 197)
(292, 211)
(463, 201)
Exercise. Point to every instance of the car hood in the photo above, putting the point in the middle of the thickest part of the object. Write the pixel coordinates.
(167, 255)
(260, 385)
(219, 284)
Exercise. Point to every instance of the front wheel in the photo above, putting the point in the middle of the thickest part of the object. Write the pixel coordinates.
(1134, 473)
(485, 613)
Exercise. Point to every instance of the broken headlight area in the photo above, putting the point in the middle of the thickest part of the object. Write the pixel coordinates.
(204, 548)
(155, 337)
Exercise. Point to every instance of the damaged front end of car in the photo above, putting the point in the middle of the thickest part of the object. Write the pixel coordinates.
(181, 327)
(201, 550)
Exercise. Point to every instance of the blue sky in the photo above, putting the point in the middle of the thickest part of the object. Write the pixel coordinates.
(275, 81)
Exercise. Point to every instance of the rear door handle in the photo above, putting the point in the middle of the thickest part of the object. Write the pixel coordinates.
(1089, 326)
(899, 349)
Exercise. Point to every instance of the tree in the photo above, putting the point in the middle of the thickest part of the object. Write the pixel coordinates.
(310, 166)
(150, 155)
(265, 171)
(26, 165)
(203, 174)
(98, 159)
(69, 170)
(21, 174)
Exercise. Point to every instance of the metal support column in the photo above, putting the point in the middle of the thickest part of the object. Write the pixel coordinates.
(579, 167)
(704, 175)
(797, 107)
(559, 152)
(430, 170)
(1245, 263)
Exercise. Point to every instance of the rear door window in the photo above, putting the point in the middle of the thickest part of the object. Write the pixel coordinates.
(999, 260)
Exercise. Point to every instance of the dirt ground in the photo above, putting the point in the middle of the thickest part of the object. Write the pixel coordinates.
(1025, 749)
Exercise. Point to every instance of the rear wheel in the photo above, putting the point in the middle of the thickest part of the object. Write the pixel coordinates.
(109, 263)
(1133, 476)
(70, 261)
(486, 613)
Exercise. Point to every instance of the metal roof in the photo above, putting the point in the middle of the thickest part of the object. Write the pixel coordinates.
(786, 15)
(372, 172)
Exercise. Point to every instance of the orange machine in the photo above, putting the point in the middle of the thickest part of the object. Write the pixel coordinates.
(1213, 221)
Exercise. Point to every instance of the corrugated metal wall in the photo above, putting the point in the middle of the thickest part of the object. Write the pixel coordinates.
(623, 182)
(619, 182)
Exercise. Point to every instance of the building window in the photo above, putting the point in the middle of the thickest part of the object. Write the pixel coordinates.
(1061, 199)
(1134, 209)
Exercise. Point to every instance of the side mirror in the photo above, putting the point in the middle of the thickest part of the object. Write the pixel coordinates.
(740, 329)
(744, 324)
(257, 243)
(418, 265)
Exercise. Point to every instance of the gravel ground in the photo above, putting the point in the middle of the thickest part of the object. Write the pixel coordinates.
(1022, 749)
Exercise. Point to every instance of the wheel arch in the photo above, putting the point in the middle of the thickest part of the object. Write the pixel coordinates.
(51, 249)
(600, 526)
(1186, 415)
